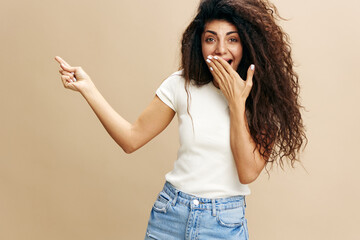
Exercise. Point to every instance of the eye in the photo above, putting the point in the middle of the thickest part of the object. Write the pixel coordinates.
(233, 40)
(209, 39)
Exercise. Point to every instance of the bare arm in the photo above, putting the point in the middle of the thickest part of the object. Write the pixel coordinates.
(249, 162)
(129, 137)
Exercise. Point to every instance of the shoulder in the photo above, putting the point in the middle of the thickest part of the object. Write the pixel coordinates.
(176, 77)
(174, 81)
(169, 89)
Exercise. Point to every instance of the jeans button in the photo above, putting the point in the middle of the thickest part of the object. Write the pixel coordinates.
(196, 202)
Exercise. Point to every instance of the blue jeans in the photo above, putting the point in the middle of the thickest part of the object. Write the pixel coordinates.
(176, 215)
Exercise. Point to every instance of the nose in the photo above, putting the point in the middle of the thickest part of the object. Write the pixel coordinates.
(221, 48)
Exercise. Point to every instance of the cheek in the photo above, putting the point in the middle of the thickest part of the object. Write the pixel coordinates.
(238, 54)
(239, 50)
(206, 51)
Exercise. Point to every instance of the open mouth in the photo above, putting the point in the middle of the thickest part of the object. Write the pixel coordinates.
(229, 61)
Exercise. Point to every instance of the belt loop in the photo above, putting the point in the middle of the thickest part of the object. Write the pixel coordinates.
(213, 207)
(175, 198)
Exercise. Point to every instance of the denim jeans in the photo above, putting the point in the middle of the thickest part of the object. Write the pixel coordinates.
(176, 215)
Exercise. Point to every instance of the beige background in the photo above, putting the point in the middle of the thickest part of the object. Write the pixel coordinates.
(63, 177)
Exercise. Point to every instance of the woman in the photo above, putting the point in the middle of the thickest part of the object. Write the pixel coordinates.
(236, 98)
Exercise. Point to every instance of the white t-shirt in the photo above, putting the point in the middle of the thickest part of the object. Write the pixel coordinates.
(205, 166)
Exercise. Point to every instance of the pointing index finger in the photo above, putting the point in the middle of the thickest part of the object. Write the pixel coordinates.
(62, 61)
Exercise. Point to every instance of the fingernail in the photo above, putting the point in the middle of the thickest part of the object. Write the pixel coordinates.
(209, 57)
(74, 79)
(211, 69)
(216, 57)
(252, 66)
(208, 60)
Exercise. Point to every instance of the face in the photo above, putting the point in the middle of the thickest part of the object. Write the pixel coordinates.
(221, 38)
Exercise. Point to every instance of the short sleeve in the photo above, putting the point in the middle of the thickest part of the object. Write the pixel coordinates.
(168, 89)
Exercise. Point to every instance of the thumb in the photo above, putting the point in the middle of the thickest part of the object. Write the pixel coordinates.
(249, 79)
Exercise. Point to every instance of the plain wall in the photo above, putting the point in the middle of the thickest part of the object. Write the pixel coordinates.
(63, 177)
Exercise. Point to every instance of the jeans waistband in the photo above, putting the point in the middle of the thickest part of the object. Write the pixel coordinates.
(195, 202)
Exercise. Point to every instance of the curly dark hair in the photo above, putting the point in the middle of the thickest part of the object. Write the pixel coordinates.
(273, 108)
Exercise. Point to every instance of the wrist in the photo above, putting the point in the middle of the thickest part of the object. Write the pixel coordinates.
(88, 90)
(237, 106)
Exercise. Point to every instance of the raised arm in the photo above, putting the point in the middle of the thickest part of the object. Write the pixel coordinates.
(249, 162)
(130, 137)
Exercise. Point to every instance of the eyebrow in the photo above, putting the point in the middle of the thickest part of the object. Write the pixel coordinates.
(226, 33)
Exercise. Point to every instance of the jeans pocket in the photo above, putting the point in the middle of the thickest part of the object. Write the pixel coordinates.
(231, 218)
(162, 202)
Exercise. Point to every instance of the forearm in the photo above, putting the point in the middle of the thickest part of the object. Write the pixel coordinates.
(129, 137)
(118, 128)
(249, 163)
